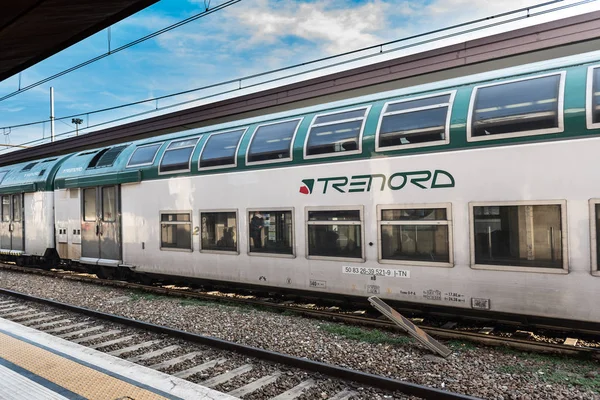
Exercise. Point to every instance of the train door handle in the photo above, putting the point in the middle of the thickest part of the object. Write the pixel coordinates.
(11, 227)
(97, 229)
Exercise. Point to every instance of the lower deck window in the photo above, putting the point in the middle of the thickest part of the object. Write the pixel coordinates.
(219, 231)
(518, 235)
(176, 231)
(270, 232)
(335, 233)
(597, 217)
(415, 234)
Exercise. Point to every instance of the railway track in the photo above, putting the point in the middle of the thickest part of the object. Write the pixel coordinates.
(196, 357)
(488, 338)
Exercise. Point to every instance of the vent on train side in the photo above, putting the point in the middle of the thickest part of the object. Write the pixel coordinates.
(29, 166)
(106, 157)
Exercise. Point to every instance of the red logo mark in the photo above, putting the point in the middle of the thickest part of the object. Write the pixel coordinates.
(304, 190)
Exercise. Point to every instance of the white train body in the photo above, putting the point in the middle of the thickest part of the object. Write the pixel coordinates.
(478, 192)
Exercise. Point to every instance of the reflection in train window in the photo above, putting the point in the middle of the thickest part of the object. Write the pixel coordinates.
(271, 231)
(175, 231)
(177, 156)
(218, 231)
(220, 149)
(335, 233)
(518, 235)
(144, 155)
(525, 107)
(415, 234)
(336, 133)
(424, 121)
(272, 142)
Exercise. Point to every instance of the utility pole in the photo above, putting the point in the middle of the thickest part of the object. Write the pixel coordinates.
(51, 114)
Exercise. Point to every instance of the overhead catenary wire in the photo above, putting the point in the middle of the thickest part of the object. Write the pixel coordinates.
(124, 47)
(328, 58)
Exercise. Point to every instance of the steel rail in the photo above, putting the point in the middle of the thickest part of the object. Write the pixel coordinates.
(379, 382)
(485, 339)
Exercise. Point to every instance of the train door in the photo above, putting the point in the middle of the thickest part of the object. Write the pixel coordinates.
(16, 228)
(11, 227)
(5, 241)
(101, 233)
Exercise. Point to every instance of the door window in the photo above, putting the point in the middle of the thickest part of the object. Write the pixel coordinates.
(109, 204)
(17, 208)
(89, 204)
(6, 208)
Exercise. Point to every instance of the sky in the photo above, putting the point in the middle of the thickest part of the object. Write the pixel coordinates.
(249, 37)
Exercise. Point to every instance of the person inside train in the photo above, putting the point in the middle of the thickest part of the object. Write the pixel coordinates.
(256, 224)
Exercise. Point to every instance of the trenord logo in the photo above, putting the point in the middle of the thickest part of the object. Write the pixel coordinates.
(365, 183)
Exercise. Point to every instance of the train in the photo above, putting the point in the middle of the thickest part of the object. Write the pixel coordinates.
(476, 193)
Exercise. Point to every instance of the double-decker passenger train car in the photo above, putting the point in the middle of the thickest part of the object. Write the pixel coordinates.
(475, 192)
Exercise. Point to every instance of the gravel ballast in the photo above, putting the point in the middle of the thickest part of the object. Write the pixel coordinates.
(485, 372)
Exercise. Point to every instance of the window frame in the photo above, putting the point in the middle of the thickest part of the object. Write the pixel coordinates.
(191, 223)
(237, 230)
(545, 270)
(189, 169)
(589, 96)
(361, 223)
(594, 270)
(144, 164)
(235, 155)
(367, 109)
(290, 158)
(500, 136)
(448, 222)
(277, 255)
(383, 114)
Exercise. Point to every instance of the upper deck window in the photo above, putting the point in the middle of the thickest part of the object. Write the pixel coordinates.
(525, 107)
(593, 100)
(273, 142)
(106, 157)
(177, 156)
(220, 149)
(2, 175)
(144, 155)
(336, 133)
(416, 122)
(29, 166)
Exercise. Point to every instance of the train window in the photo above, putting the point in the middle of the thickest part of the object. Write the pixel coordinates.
(335, 233)
(519, 236)
(29, 166)
(175, 230)
(143, 155)
(415, 122)
(89, 204)
(177, 156)
(17, 207)
(220, 149)
(339, 133)
(273, 142)
(2, 175)
(218, 231)
(530, 106)
(416, 234)
(6, 208)
(271, 231)
(593, 98)
(108, 158)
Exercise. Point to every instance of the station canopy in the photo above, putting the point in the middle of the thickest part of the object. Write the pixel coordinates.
(33, 30)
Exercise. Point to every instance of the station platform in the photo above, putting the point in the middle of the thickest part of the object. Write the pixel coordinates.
(36, 365)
